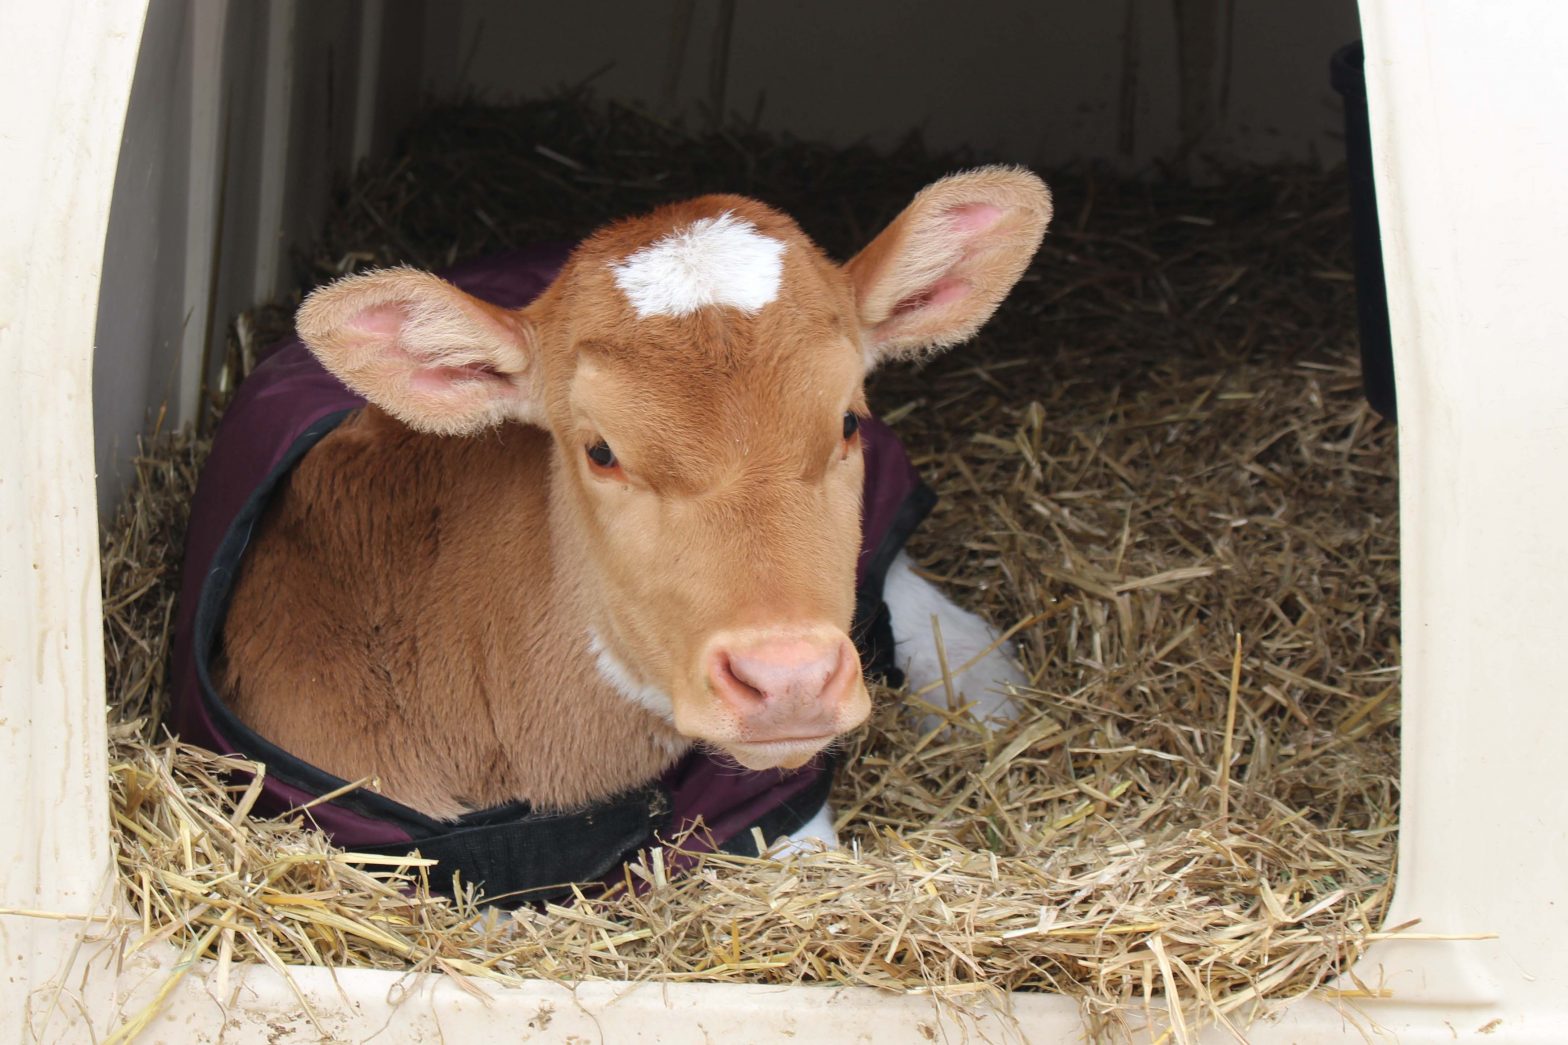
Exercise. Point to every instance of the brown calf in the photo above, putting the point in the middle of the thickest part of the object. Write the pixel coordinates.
(565, 542)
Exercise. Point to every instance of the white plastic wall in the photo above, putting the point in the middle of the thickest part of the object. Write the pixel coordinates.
(242, 117)
(1470, 144)
(65, 72)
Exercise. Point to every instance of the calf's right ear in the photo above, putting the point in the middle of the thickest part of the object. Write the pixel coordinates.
(932, 277)
(437, 359)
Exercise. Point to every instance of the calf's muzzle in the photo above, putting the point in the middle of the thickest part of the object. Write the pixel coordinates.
(781, 695)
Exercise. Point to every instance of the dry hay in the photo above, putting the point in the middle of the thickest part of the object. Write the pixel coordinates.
(1155, 466)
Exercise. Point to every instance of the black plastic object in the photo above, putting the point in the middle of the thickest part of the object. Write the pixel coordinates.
(1346, 73)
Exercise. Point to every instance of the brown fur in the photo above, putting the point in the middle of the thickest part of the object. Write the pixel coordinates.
(418, 602)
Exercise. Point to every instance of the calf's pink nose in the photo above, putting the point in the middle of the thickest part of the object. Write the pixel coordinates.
(785, 685)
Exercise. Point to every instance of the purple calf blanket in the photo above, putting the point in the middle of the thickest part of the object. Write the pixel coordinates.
(281, 410)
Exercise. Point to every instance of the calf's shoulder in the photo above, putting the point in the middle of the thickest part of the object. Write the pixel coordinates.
(397, 617)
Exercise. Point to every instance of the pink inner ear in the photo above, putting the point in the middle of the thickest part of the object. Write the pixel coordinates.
(942, 292)
(973, 218)
(443, 378)
(380, 320)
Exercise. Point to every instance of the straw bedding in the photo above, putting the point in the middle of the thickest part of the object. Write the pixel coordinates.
(1155, 468)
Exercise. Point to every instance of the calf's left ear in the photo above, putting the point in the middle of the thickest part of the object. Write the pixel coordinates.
(437, 359)
(935, 275)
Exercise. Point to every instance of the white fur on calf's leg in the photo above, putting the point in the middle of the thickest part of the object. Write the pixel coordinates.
(804, 840)
(912, 601)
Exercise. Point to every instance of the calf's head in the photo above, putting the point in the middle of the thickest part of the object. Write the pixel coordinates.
(701, 373)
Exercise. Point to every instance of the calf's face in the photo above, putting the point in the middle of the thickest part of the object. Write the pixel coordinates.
(700, 370)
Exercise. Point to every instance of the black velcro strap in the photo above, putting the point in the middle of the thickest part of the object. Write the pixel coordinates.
(537, 857)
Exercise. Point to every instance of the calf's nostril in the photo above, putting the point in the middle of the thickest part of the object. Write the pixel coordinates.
(793, 672)
(735, 681)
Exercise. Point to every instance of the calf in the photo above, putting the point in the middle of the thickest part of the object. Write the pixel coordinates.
(563, 543)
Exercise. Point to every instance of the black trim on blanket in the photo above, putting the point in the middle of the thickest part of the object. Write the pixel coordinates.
(873, 626)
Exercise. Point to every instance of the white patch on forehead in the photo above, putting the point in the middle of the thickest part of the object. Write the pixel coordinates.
(712, 261)
(621, 679)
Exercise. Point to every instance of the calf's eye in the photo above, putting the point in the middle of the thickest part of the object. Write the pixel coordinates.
(851, 425)
(601, 455)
